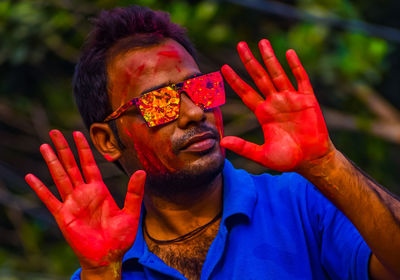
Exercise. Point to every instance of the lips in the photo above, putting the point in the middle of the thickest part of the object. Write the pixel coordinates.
(200, 142)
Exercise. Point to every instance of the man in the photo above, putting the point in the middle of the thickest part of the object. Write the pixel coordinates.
(148, 107)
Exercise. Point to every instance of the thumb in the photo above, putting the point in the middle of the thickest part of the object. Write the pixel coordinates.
(244, 148)
(135, 192)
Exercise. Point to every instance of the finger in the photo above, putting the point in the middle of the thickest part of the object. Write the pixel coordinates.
(57, 171)
(303, 82)
(135, 192)
(89, 167)
(245, 92)
(244, 148)
(275, 69)
(256, 71)
(66, 157)
(52, 203)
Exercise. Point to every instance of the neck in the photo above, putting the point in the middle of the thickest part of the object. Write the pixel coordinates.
(167, 218)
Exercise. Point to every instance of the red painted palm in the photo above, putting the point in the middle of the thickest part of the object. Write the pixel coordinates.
(294, 129)
(98, 231)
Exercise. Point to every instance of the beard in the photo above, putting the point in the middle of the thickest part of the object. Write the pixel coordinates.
(185, 182)
(190, 178)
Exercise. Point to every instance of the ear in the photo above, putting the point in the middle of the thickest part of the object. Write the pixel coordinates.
(105, 142)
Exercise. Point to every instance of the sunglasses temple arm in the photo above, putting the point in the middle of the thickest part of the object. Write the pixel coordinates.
(121, 110)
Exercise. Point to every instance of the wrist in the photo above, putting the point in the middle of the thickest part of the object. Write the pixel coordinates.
(110, 271)
(323, 170)
(331, 175)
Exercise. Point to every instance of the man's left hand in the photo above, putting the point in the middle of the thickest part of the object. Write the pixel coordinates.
(294, 129)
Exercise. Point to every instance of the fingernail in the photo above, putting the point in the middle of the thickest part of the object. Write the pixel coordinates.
(225, 67)
(141, 173)
(54, 133)
(242, 45)
(27, 176)
(264, 43)
(43, 146)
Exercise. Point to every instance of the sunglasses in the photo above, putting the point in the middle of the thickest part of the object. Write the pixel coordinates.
(162, 105)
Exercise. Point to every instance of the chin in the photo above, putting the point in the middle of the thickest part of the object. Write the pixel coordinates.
(192, 176)
(206, 164)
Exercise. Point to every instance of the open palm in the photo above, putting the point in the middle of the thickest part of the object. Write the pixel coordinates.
(98, 231)
(294, 129)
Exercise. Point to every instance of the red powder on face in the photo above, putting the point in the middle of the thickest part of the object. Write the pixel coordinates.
(144, 151)
(122, 83)
(218, 122)
(107, 157)
(139, 71)
(132, 77)
(172, 54)
(149, 161)
(219, 125)
(163, 55)
(128, 133)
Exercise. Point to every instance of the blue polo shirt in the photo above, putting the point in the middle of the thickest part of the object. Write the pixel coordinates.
(273, 227)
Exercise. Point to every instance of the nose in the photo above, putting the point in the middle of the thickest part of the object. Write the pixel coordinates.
(189, 112)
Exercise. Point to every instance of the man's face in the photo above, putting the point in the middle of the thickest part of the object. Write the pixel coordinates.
(185, 149)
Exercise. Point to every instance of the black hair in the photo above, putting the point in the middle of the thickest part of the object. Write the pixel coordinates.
(117, 31)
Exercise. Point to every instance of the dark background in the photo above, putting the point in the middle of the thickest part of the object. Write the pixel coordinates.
(350, 49)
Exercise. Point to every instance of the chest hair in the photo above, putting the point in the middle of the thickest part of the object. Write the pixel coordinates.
(187, 256)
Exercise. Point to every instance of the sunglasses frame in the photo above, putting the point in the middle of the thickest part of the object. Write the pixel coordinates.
(178, 87)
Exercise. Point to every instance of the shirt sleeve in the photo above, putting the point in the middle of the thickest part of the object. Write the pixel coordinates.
(344, 253)
(76, 275)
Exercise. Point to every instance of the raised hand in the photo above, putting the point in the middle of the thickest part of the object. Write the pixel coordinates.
(98, 231)
(292, 122)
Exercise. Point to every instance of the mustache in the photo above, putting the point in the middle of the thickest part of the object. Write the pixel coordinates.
(178, 144)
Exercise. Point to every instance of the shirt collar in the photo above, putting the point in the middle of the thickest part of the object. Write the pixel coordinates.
(239, 197)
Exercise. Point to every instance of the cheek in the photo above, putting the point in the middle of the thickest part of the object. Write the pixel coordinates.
(218, 122)
(220, 126)
(147, 148)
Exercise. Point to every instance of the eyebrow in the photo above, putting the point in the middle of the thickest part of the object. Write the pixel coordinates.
(169, 83)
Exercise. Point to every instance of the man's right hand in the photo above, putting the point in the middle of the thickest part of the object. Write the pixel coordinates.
(97, 230)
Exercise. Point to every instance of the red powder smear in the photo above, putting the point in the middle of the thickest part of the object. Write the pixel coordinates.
(127, 132)
(172, 54)
(139, 70)
(132, 76)
(177, 68)
(107, 157)
(219, 124)
(145, 154)
(163, 55)
(149, 161)
(125, 79)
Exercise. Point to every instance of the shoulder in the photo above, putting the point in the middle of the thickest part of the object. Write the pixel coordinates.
(285, 186)
(286, 190)
(292, 193)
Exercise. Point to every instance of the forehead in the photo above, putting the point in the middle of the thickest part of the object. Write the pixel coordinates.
(136, 71)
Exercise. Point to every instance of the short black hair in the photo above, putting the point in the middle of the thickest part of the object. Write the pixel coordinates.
(117, 31)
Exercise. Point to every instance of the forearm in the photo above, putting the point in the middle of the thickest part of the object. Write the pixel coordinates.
(111, 271)
(371, 209)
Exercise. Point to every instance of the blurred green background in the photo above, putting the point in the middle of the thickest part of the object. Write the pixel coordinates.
(350, 49)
